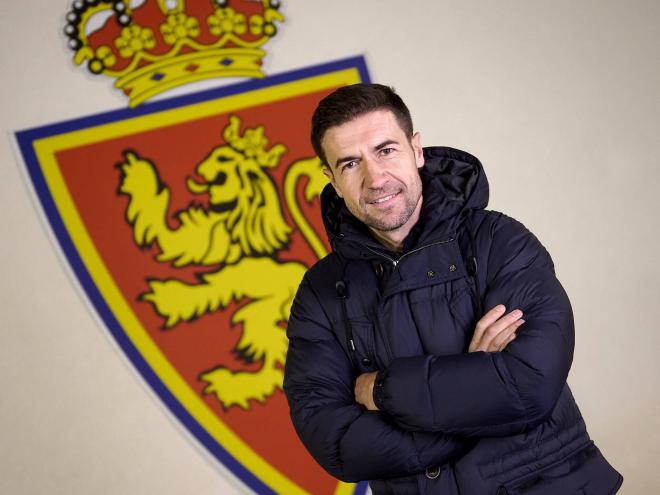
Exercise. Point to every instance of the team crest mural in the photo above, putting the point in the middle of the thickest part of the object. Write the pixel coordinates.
(189, 222)
(240, 232)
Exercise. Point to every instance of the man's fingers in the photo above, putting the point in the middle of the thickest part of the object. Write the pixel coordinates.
(364, 390)
(484, 337)
(486, 320)
(503, 338)
(489, 318)
(500, 331)
(507, 342)
(501, 325)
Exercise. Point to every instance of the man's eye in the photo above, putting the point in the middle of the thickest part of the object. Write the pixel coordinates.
(387, 151)
(348, 165)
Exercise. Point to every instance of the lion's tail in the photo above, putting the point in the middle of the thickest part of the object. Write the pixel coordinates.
(310, 168)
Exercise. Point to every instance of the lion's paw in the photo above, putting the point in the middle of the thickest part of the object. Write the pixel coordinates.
(236, 389)
(170, 298)
(139, 176)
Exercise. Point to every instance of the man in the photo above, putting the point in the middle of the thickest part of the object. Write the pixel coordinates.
(429, 352)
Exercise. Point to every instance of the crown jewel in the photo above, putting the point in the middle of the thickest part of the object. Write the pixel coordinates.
(154, 45)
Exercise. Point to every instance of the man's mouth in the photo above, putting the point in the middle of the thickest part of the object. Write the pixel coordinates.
(382, 199)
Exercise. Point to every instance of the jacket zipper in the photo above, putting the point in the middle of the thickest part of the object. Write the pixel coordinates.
(395, 263)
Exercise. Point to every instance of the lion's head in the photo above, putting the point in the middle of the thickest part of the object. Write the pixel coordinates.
(242, 195)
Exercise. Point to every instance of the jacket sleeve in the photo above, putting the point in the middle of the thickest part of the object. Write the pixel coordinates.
(348, 441)
(493, 394)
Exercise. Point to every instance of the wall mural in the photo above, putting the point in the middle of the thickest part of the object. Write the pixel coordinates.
(190, 221)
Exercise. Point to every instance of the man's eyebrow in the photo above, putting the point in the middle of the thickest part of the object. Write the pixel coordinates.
(345, 159)
(385, 143)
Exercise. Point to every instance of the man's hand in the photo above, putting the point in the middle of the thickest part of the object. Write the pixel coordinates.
(364, 390)
(495, 330)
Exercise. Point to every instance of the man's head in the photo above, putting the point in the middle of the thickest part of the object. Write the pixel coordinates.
(363, 133)
(349, 102)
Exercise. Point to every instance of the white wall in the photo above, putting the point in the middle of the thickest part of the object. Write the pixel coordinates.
(560, 100)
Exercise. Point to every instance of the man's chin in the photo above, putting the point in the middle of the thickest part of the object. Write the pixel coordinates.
(384, 224)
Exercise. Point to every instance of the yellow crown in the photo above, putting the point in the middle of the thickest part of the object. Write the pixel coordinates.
(151, 46)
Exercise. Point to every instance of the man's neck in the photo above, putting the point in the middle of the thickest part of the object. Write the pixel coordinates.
(393, 243)
(394, 239)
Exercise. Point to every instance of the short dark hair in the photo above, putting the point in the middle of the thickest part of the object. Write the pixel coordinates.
(350, 102)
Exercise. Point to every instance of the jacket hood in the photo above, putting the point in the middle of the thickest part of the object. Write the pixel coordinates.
(453, 183)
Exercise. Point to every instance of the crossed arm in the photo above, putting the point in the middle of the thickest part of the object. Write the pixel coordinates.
(493, 333)
(480, 394)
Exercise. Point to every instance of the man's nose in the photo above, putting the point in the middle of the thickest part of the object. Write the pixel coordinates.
(374, 175)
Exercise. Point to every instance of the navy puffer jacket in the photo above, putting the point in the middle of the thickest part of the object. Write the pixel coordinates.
(450, 422)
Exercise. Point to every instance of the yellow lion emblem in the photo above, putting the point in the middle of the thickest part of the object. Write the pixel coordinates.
(241, 231)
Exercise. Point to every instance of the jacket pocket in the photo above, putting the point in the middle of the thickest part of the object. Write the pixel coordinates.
(585, 472)
(441, 314)
(462, 306)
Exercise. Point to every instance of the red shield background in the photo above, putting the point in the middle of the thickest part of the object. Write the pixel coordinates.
(89, 180)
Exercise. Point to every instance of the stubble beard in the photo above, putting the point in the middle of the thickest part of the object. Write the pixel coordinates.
(387, 223)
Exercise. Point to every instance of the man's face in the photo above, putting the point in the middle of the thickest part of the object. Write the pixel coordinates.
(374, 168)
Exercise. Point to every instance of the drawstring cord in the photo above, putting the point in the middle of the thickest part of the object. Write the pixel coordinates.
(342, 294)
(473, 267)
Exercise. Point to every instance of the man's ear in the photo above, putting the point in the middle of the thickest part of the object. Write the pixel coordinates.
(416, 143)
(328, 173)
